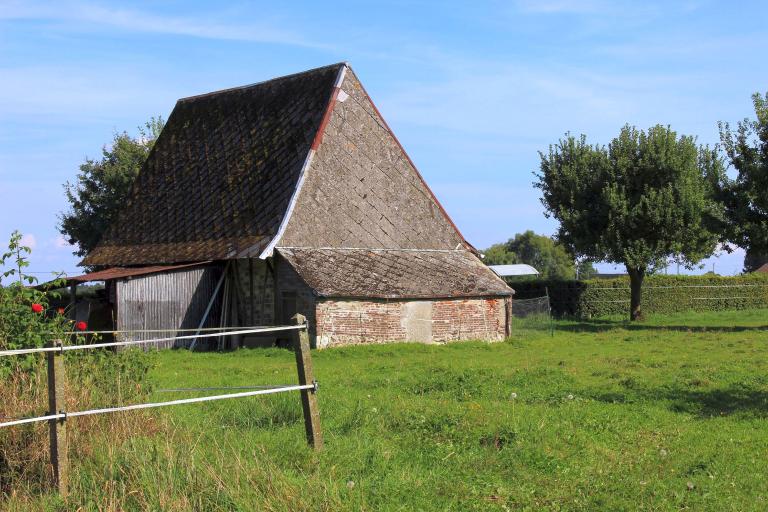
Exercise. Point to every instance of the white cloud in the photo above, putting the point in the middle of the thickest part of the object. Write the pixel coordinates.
(526, 102)
(61, 243)
(137, 21)
(29, 240)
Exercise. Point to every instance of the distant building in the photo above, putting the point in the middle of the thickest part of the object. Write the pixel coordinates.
(296, 195)
(763, 269)
(519, 269)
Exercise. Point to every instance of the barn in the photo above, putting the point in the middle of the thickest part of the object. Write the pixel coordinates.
(293, 196)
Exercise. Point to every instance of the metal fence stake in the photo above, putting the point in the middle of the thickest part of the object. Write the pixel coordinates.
(58, 427)
(306, 376)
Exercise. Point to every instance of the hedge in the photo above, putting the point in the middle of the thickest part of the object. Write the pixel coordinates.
(661, 294)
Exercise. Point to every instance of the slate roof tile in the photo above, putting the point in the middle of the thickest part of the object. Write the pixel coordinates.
(394, 274)
(221, 175)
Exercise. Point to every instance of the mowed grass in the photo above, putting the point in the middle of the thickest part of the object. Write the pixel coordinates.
(666, 415)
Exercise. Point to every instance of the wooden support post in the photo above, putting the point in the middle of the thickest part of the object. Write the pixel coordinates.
(508, 316)
(58, 427)
(73, 301)
(306, 376)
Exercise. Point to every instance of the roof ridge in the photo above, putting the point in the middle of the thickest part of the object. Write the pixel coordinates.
(371, 249)
(263, 82)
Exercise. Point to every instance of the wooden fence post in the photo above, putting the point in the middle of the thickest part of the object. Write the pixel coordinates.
(58, 427)
(306, 376)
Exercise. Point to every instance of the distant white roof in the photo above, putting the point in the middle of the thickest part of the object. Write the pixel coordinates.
(514, 270)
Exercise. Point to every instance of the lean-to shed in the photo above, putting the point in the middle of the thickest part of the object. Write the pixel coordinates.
(293, 195)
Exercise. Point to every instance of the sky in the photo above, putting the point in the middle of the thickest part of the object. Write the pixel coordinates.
(473, 90)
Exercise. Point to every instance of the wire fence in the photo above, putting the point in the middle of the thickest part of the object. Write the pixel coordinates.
(135, 407)
(532, 314)
(67, 348)
(57, 416)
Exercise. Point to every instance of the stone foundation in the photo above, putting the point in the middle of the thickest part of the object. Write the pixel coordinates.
(351, 322)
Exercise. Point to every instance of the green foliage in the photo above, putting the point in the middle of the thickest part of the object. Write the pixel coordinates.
(95, 378)
(645, 198)
(500, 254)
(541, 252)
(663, 294)
(20, 326)
(606, 415)
(754, 260)
(585, 270)
(102, 186)
(111, 378)
(746, 196)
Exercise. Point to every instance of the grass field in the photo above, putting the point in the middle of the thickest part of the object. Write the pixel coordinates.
(666, 415)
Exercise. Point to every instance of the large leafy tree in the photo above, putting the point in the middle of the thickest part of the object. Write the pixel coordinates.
(746, 195)
(646, 197)
(754, 260)
(103, 185)
(543, 253)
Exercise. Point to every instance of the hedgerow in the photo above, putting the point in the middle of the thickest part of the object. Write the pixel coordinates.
(661, 294)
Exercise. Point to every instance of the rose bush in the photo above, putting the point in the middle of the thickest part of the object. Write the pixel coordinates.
(25, 321)
(94, 378)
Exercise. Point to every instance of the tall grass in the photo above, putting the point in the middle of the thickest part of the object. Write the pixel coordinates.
(94, 380)
(603, 415)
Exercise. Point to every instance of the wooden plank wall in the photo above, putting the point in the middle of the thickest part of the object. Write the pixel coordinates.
(170, 301)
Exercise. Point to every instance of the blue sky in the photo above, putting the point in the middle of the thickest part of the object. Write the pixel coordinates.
(472, 89)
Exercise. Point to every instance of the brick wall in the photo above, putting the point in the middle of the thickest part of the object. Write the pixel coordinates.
(468, 319)
(348, 322)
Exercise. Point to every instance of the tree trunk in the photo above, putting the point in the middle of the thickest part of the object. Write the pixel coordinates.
(636, 276)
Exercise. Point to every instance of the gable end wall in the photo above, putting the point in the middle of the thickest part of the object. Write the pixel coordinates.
(361, 190)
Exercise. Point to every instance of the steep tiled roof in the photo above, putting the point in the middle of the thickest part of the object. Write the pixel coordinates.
(305, 163)
(220, 177)
(394, 274)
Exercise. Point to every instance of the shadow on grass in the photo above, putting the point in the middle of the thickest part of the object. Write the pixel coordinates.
(704, 404)
(606, 325)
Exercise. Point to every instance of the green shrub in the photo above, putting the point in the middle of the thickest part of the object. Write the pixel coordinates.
(27, 318)
(94, 378)
(661, 294)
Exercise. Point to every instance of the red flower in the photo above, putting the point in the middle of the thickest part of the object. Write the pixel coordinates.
(81, 326)
(37, 308)
(60, 311)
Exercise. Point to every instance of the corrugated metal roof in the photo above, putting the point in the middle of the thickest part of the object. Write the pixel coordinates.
(122, 272)
(520, 269)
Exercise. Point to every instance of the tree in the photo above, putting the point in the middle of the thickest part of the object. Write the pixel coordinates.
(499, 254)
(585, 269)
(746, 196)
(646, 197)
(102, 186)
(541, 252)
(753, 260)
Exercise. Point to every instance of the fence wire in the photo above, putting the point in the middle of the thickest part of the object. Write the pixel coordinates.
(532, 314)
(67, 348)
(90, 412)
